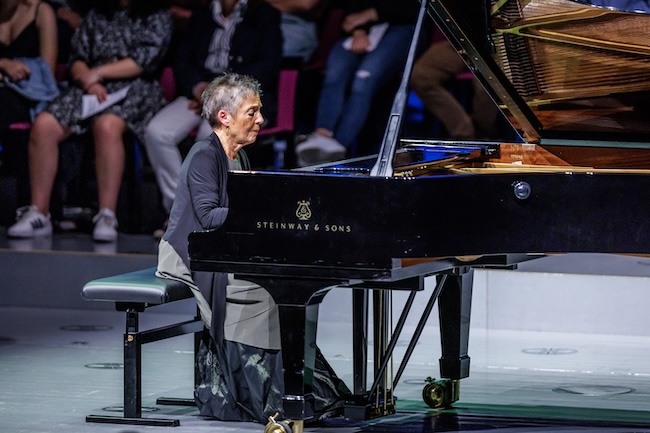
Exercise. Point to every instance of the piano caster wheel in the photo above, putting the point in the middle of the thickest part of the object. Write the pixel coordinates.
(438, 393)
(274, 426)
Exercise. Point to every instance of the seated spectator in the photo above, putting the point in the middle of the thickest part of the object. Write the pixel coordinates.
(299, 26)
(181, 10)
(230, 36)
(431, 73)
(119, 47)
(28, 52)
(369, 57)
(28, 39)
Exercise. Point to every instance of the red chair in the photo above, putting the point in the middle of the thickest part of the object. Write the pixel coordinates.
(167, 83)
(331, 32)
(284, 129)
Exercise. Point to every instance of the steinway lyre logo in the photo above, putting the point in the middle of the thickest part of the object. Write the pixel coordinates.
(303, 212)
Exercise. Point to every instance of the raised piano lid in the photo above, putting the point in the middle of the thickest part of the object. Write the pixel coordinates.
(563, 72)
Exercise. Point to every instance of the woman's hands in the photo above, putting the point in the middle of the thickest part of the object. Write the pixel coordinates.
(14, 69)
(353, 24)
(196, 104)
(360, 42)
(87, 77)
(89, 80)
(98, 90)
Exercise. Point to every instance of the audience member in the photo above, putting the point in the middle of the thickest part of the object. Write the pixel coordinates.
(181, 10)
(28, 52)
(431, 73)
(241, 36)
(239, 363)
(117, 50)
(374, 52)
(299, 26)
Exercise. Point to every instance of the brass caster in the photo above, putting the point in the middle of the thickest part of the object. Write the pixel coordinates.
(297, 426)
(274, 426)
(440, 393)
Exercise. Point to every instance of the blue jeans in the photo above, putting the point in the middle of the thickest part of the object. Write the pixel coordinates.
(352, 80)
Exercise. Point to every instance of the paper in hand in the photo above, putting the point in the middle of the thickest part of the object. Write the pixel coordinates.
(91, 106)
(375, 34)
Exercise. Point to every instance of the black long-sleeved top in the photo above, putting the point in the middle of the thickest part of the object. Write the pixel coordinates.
(255, 50)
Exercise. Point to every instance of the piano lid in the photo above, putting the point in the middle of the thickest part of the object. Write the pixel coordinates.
(558, 69)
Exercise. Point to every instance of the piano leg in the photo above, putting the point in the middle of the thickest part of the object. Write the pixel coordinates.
(360, 341)
(298, 302)
(454, 309)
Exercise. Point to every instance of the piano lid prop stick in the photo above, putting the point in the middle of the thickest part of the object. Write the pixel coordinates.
(384, 164)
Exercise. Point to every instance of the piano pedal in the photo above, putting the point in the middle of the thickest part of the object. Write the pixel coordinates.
(286, 426)
(368, 407)
(440, 393)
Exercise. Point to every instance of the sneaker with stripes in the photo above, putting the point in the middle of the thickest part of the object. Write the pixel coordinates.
(30, 223)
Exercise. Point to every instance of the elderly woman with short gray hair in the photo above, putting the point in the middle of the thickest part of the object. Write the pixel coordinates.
(239, 363)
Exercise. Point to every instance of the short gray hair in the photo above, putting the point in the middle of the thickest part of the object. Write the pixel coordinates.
(226, 92)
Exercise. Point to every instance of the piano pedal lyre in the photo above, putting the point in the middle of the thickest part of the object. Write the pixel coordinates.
(365, 407)
(286, 426)
(440, 393)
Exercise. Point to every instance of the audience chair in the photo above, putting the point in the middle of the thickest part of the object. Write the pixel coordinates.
(168, 83)
(283, 131)
(330, 33)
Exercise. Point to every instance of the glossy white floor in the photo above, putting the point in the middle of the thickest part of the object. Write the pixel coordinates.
(543, 360)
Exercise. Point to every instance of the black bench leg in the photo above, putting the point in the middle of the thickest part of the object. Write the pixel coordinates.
(132, 367)
(133, 381)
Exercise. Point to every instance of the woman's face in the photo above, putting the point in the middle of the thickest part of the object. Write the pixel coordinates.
(247, 121)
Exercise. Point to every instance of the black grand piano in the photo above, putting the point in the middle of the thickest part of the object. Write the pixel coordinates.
(574, 82)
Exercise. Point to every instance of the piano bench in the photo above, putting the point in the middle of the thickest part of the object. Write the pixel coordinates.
(133, 292)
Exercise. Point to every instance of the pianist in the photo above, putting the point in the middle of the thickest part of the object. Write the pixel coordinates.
(232, 106)
(239, 363)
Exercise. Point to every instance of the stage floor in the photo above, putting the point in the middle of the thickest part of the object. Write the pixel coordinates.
(58, 366)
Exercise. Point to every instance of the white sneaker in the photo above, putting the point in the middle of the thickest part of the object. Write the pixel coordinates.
(105, 226)
(318, 149)
(29, 223)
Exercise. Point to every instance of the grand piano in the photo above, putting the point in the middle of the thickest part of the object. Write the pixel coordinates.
(572, 79)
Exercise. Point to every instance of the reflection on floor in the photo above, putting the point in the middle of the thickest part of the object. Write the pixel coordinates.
(59, 365)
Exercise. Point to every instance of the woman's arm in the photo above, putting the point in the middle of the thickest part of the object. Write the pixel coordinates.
(120, 69)
(47, 34)
(147, 51)
(48, 46)
(205, 180)
(90, 79)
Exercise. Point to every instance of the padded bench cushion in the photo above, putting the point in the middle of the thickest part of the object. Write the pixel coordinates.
(136, 287)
